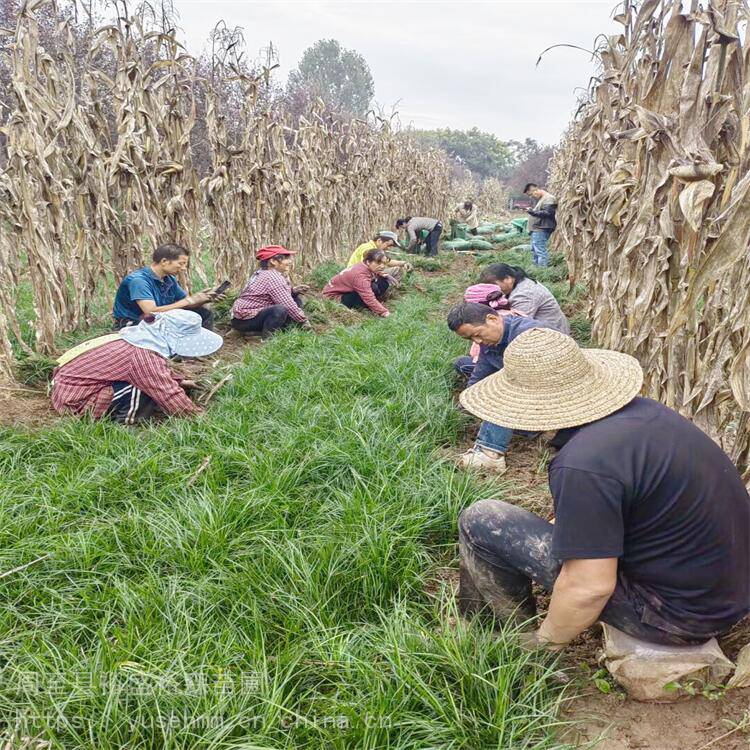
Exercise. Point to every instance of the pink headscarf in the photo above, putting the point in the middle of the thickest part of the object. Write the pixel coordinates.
(479, 293)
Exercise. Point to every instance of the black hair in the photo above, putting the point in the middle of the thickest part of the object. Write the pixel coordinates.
(264, 264)
(375, 256)
(496, 271)
(468, 312)
(468, 205)
(401, 222)
(169, 252)
(530, 185)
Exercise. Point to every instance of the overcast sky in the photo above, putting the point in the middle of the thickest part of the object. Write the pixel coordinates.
(446, 64)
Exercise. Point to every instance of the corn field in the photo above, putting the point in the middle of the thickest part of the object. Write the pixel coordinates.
(654, 212)
(490, 195)
(98, 170)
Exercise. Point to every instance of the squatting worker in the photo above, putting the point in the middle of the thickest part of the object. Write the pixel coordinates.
(467, 213)
(652, 519)
(483, 294)
(269, 302)
(542, 222)
(126, 377)
(383, 240)
(363, 285)
(154, 288)
(493, 332)
(526, 295)
(414, 225)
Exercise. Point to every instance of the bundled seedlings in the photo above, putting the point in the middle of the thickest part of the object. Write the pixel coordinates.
(654, 212)
(100, 169)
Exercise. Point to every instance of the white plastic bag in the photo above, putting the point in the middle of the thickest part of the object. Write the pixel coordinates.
(644, 669)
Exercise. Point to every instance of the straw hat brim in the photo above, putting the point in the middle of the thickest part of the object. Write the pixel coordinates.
(613, 380)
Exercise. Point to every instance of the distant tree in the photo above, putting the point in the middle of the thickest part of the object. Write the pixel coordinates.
(532, 164)
(483, 153)
(340, 77)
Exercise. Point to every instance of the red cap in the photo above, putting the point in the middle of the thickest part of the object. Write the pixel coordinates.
(271, 251)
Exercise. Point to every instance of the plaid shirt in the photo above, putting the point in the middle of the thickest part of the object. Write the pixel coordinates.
(266, 288)
(85, 383)
(357, 279)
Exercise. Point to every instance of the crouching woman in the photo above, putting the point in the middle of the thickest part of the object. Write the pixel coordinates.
(269, 302)
(125, 377)
(363, 285)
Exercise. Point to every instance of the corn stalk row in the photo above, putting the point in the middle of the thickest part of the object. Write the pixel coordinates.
(99, 170)
(654, 212)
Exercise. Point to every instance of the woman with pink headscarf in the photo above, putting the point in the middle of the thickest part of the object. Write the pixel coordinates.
(483, 294)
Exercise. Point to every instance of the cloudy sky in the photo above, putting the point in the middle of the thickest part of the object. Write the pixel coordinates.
(444, 64)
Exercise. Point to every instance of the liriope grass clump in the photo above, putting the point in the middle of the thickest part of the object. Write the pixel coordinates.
(256, 577)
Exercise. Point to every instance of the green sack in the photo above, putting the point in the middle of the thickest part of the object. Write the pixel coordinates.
(522, 248)
(488, 228)
(479, 244)
(458, 230)
(454, 245)
(521, 225)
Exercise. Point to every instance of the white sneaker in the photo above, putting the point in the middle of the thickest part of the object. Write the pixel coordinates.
(476, 458)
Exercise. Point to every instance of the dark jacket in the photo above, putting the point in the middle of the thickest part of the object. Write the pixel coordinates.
(543, 214)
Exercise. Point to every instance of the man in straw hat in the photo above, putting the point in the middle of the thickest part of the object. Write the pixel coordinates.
(652, 520)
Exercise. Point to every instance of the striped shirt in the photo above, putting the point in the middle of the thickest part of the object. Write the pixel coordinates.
(266, 288)
(85, 383)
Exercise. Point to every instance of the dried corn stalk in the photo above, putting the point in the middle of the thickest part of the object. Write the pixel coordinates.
(654, 213)
(99, 170)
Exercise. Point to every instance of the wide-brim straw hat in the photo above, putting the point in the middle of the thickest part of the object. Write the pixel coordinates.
(548, 382)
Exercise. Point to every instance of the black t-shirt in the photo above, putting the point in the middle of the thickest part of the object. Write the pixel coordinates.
(647, 486)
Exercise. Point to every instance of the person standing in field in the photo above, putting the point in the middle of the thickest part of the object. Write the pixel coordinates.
(125, 376)
(542, 222)
(269, 302)
(652, 519)
(155, 288)
(526, 295)
(362, 285)
(413, 225)
(467, 213)
(493, 332)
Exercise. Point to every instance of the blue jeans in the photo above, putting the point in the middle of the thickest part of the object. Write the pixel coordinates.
(539, 239)
(494, 437)
(464, 366)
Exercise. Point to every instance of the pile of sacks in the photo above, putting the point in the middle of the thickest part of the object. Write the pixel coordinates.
(488, 234)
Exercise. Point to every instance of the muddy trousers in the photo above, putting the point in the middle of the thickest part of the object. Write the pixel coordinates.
(503, 548)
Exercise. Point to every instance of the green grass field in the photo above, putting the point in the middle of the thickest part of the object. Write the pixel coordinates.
(282, 597)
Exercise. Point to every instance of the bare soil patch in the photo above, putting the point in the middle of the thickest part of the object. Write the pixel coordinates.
(694, 724)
